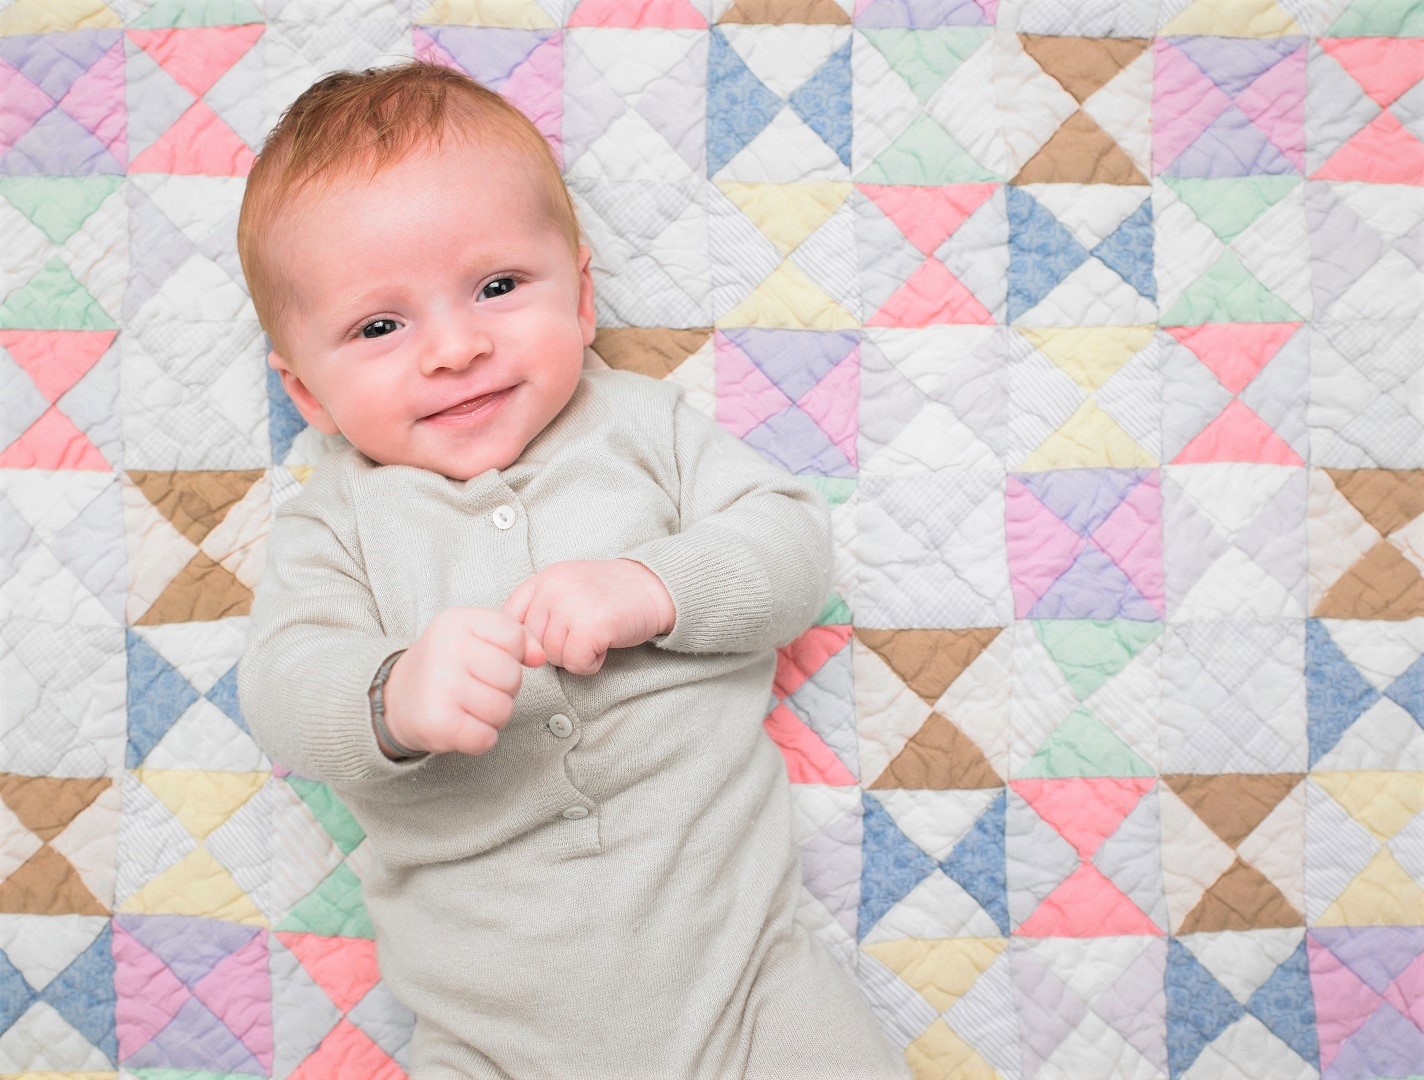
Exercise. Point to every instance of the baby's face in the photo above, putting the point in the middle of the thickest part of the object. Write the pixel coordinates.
(440, 317)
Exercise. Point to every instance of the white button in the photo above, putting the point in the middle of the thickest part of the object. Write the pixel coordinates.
(561, 725)
(574, 813)
(503, 516)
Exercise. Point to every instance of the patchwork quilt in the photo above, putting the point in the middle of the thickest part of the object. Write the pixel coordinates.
(1098, 322)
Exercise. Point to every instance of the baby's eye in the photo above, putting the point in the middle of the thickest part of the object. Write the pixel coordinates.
(497, 287)
(378, 328)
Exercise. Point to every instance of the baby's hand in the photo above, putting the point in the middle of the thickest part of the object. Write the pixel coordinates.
(454, 688)
(580, 610)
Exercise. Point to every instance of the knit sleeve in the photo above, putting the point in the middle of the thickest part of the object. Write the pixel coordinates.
(314, 644)
(750, 567)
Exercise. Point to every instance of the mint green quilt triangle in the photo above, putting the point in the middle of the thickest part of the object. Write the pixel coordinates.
(58, 206)
(834, 489)
(1228, 207)
(835, 613)
(1090, 652)
(330, 812)
(333, 909)
(1380, 18)
(199, 13)
(925, 153)
(53, 300)
(1228, 293)
(926, 58)
(1083, 746)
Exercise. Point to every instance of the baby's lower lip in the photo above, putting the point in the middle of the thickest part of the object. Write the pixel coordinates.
(475, 407)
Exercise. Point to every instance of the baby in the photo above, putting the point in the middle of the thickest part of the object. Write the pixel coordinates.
(525, 625)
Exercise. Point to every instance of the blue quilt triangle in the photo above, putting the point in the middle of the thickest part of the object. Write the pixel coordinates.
(1335, 693)
(1128, 251)
(1235, 63)
(1082, 498)
(795, 360)
(739, 106)
(977, 863)
(1407, 691)
(223, 694)
(1042, 252)
(83, 993)
(796, 442)
(823, 101)
(1285, 1004)
(1198, 1008)
(59, 145)
(284, 423)
(16, 994)
(158, 695)
(892, 866)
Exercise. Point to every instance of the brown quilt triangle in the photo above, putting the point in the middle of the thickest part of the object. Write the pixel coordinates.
(648, 350)
(46, 884)
(1382, 585)
(1233, 804)
(1386, 498)
(47, 804)
(939, 757)
(203, 591)
(928, 661)
(1082, 65)
(1080, 152)
(195, 502)
(1243, 898)
(809, 12)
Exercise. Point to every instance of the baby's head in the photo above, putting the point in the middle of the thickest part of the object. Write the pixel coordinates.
(414, 256)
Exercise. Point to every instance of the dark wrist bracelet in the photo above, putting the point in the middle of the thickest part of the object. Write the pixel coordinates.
(378, 706)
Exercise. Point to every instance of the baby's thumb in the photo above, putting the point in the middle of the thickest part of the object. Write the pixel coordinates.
(534, 655)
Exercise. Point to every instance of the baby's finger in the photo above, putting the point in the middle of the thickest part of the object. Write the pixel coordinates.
(497, 629)
(534, 654)
(474, 737)
(517, 606)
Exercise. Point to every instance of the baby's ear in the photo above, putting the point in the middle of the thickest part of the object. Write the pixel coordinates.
(305, 401)
(585, 300)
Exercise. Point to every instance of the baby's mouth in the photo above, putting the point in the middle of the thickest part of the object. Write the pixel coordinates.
(470, 406)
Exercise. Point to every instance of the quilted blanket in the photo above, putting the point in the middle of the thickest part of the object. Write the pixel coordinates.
(1098, 322)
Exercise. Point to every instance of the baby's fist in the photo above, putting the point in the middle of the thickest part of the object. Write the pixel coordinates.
(579, 610)
(454, 689)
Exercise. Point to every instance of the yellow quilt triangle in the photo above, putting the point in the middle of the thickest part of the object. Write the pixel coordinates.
(1093, 354)
(201, 800)
(47, 17)
(788, 298)
(1241, 18)
(1385, 802)
(1382, 894)
(520, 14)
(1088, 439)
(787, 213)
(942, 970)
(199, 885)
(940, 1052)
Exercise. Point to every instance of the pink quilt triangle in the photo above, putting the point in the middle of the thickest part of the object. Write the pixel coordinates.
(667, 14)
(345, 968)
(56, 359)
(1384, 67)
(1238, 434)
(347, 1051)
(805, 656)
(197, 57)
(149, 994)
(928, 216)
(1235, 352)
(1406, 992)
(1041, 545)
(198, 144)
(1087, 905)
(1275, 103)
(746, 398)
(1353, 1000)
(808, 759)
(1084, 810)
(96, 100)
(53, 442)
(537, 88)
(1184, 104)
(1132, 537)
(929, 296)
(834, 403)
(239, 992)
(1382, 152)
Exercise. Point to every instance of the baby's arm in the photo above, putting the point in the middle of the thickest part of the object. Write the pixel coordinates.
(316, 642)
(748, 570)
